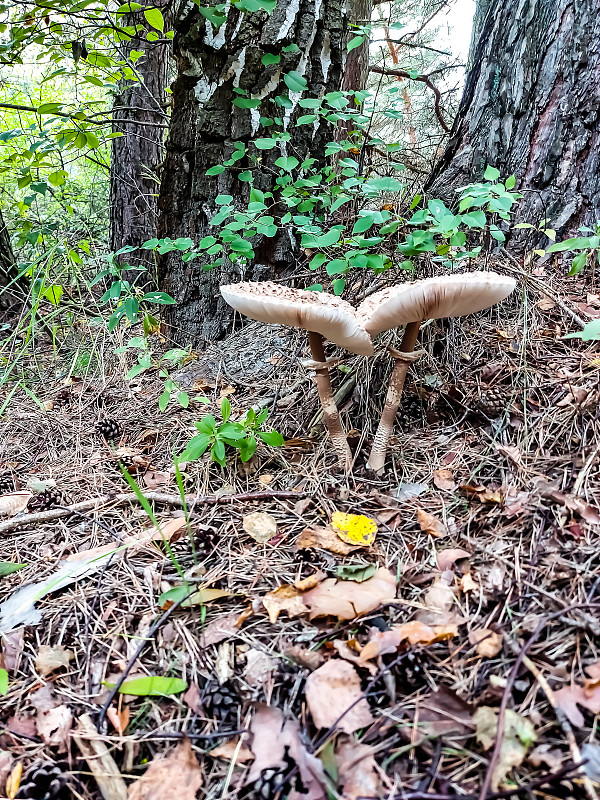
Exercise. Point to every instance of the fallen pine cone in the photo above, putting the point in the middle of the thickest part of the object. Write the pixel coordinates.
(109, 429)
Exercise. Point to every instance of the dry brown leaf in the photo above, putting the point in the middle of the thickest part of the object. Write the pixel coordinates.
(192, 697)
(309, 659)
(324, 538)
(259, 668)
(176, 776)
(569, 697)
(332, 692)
(119, 718)
(50, 658)
(6, 765)
(260, 526)
(444, 479)
(446, 558)
(156, 480)
(512, 453)
(54, 726)
(230, 752)
(489, 643)
(414, 632)
(272, 735)
(285, 598)
(519, 735)
(357, 770)
(350, 654)
(431, 524)
(552, 757)
(593, 676)
(224, 627)
(481, 493)
(23, 724)
(349, 599)
(11, 504)
(12, 647)
(468, 583)
(444, 713)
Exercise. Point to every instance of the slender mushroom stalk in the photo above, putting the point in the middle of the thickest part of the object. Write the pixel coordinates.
(331, 415)
(324, 317)
(394, 395)
(408, 305)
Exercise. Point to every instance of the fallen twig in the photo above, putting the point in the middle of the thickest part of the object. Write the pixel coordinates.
(190, 500)
(102, 765)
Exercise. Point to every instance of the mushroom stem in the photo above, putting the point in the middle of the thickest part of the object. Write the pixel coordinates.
(376, 460)
(331, 415)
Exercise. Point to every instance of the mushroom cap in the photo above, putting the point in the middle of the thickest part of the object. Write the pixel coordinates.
(332, 317)
(433, 298)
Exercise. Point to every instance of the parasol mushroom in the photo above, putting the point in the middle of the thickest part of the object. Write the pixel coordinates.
(409, 304)
(324, 316)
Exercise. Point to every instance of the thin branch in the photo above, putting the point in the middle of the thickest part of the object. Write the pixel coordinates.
(400, 73)
(16, 107)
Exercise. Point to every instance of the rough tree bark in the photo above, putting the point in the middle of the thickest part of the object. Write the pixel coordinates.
(137, 154)
(11, 293)
(205, 125)
(531, 107)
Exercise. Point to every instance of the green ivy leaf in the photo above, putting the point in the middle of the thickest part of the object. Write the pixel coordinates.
(355, 42)
(355, 572)
(265, 144)
(491, 173)
(287, 163)
(270, 58)
(3, 681)
(8, 567)
(307, 119)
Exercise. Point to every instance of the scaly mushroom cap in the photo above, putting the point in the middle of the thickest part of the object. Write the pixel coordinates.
(332, 317)
(433, 298)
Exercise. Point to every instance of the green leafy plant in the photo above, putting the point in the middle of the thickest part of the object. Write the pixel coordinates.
(151, 686)
(591, 332)
(3, 681)
(243, 435)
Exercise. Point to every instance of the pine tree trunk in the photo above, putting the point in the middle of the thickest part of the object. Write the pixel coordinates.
(531, 107)
(137, 154)
(11, 293)
(205, 125)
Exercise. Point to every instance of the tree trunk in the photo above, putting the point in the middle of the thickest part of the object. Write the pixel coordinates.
(206, 125)
(531, 107)
(11, 293)
(136, 155)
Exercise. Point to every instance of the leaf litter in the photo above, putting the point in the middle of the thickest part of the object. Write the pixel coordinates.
(428, 641)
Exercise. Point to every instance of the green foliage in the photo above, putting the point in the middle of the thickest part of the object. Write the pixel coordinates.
(3, 681)
(242, 435)
(8, 567)
(150, 686)
(591, 332)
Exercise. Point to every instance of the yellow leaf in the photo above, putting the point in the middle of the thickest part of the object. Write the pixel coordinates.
(14, 781)
(354, 528)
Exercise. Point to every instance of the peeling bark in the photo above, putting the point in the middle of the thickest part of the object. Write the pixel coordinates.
(205, 125)
(531, 107)
(136, 155)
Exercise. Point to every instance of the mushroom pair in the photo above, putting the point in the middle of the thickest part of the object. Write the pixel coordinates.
(325, 316)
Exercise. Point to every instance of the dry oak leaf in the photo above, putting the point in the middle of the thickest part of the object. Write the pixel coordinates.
(444, 479)
(570, 697)
(334, 697)
(357, 770)
(519, 735)
(468, 583)
(176, 776)
(50, 658)
(430, 524)
(224, 627)
(272, 736)
(324, 538)
(308, 659)
(54, 726)
(349, 599)
(119, 718)
(260, 526)
(489, 643)
(355, 529)
(446, 558)
(415, 632)
(11, 504)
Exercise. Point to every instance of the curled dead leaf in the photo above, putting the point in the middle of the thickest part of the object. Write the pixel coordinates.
(349, 599)
(446, 558)
(50, 658)
(260, 526)
(334, 697)
(430, 524)
(570, 697)
(489, 643)
(519, 735)
(14, 503)
(357, 770)
(444, 479)
(483, 494)
(414, 632)
(325, 538)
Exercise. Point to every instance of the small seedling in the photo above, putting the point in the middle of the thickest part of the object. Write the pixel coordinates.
(243, 435)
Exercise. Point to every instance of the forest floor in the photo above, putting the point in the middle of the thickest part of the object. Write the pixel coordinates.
(461, 661)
